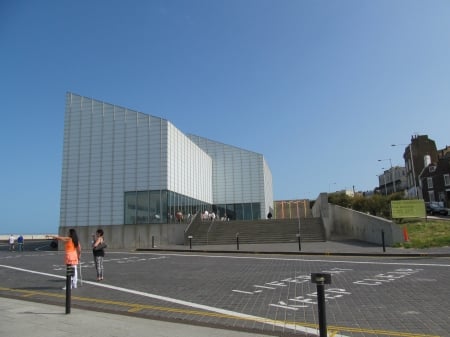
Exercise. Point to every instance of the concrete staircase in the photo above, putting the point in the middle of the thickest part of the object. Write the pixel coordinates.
(255, 231)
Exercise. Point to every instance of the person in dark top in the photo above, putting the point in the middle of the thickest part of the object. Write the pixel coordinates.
(20, 243)
(99, 253)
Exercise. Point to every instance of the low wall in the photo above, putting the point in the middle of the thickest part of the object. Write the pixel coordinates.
(364, 227)
(131, 236)
(346, 222)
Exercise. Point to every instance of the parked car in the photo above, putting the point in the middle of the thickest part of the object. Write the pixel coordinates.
(434, 208)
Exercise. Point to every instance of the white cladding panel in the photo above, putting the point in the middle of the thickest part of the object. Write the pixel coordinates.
(189, 167)
(239, 176)
(108, 150)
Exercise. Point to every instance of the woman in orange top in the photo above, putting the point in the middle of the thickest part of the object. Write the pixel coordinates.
(73, 252)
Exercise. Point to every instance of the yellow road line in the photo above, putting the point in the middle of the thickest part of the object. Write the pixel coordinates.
(133, 307)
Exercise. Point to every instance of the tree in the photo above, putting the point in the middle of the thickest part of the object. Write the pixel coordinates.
(377, 204)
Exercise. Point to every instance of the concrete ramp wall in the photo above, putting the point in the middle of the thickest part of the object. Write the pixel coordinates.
(364, 227)
(321, 209)
(346, 222)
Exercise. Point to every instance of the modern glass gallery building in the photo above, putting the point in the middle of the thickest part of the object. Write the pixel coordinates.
(130, 173)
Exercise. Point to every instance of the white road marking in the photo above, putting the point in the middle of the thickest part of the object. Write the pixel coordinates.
(293, 327)
(243, 292)
(406, 263)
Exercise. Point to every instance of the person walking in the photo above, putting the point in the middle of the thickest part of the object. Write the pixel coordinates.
(11, 242)
(20, 243)
(98, 248)
(72, 253)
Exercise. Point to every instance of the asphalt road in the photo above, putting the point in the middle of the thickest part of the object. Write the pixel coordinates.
(272, 294)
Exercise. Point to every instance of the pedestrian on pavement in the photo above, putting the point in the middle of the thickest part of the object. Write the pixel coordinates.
(20, 243)
(11, 242)
(98, 248)
(72, 252)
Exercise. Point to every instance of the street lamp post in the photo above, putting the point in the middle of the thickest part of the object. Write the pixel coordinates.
(412, 166)
(392, 173)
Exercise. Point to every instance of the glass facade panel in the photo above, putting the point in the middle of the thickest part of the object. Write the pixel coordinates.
(256, 210)
(238, 211)
(171, 205)
(231, 214)
(220, 211)
(245, 211)
(163, 197)
(155, 207)
(143, 207)
(130, 208)
(247, 215)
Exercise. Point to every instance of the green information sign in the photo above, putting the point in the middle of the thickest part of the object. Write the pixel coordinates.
(408, 209)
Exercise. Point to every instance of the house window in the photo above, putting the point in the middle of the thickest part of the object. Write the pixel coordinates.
(447, 179)
(430, 182)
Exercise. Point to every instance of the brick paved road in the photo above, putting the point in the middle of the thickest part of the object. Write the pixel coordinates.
(369, 296)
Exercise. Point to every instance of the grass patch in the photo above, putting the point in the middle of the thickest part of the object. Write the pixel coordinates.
(426, 233)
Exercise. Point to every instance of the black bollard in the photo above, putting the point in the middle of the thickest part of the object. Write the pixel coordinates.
(382, 240)
(237, 241)
(299, 243)
(320, 279)
(69, 273)
(190, 241)
(153, 241)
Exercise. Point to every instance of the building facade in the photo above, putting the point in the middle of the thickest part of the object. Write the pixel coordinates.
(435, 179)
(124, 168)
(392, 180)
(414, 154)
(292, 209)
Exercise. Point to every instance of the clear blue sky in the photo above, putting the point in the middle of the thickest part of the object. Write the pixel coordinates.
(321, 88)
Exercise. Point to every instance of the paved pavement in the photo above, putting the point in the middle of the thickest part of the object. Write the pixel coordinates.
(188, 292)
(26, 319)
